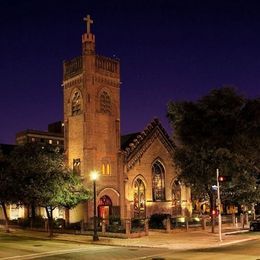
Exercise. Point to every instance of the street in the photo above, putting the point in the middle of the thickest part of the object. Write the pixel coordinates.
(12, 247)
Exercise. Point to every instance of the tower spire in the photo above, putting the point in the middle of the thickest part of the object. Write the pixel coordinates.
(88, 39)
(88, 21)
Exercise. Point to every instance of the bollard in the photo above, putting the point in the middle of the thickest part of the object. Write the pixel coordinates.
(146, 226)
(82, 226)
(187, 223)
(234, 219)
(128, 227)
(46, 225)
(168, 225)
(103, 226)
(246, 219)
(242, 222)
(203, 223)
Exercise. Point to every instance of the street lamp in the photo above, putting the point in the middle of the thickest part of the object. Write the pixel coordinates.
(94, 176)
(219, 207)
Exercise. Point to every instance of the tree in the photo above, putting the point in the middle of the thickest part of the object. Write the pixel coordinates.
(221, 130)
(44, 181)
(7, 192)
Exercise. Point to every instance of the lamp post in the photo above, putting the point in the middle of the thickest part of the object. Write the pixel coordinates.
(94, 176)
(219, 208)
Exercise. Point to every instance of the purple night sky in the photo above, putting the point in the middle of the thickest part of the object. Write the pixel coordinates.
(169, 50)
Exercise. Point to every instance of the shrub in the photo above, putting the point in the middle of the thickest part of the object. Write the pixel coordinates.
(37, 222)
(59, 223)
(156, 220)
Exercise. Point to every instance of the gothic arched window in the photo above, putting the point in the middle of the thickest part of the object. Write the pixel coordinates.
(76, 103)
(176, 198)
(158, 181)
(139, 198)
(105, 103)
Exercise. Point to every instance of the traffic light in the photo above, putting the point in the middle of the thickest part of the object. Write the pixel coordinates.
(223, 178)
(214, 212)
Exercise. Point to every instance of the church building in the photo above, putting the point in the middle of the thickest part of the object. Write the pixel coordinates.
(137, 174)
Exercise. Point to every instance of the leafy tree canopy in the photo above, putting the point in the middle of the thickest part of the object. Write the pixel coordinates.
(40, 178)
(220, 130)
(43, 179)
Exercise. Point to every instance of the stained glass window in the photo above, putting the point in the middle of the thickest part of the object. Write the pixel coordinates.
(158, 181)
(176, 198)
(139, 198)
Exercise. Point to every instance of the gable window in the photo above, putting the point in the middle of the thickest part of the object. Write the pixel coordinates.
(158, 181)
(105, 103)
(76, 103)
(76, 166)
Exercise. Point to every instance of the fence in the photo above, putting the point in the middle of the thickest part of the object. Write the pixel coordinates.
(126, 228)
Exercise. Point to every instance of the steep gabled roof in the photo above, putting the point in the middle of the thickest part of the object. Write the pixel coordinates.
(134, 145)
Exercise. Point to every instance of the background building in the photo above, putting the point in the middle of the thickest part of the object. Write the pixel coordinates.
(54, 135)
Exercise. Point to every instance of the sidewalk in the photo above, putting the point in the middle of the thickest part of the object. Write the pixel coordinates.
(178, 239)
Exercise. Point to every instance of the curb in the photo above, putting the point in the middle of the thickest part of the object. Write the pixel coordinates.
(236, 232)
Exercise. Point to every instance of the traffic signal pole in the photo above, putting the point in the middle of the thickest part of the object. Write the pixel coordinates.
(219, 209)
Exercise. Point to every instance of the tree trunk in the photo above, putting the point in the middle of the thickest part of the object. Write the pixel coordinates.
(50, 221)
(67, 217)
(5, 217)
(33, 214)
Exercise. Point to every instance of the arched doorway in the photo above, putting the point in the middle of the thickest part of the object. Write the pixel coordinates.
(104, 207)
(139, 199)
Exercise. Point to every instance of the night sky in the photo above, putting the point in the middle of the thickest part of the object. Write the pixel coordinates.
(169, 50)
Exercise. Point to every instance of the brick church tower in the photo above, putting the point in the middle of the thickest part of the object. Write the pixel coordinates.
(91, 86)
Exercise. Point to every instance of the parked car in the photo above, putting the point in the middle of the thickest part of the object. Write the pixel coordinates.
(255, 224)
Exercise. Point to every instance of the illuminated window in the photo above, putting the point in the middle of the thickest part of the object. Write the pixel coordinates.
(58, 142)
(76, 166)
(14, 211)
(176, 198)
(139, 199)
(50, 141)
(33, 139)
(158, 182)
(105, 103)
(106, 169)
(76, 103)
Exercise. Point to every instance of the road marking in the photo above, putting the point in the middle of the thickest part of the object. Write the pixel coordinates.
(51, 253)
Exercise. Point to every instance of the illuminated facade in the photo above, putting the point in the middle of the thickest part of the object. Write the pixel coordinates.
(54, 136)
(137, 173)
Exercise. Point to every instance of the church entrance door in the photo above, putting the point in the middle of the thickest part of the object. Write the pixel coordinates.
(104, 208)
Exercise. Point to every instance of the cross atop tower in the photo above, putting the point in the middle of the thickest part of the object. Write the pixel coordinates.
(88, 22)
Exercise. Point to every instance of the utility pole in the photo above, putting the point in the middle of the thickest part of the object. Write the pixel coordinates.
(219, 209)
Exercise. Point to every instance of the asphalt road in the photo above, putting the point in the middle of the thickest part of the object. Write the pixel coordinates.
(27, 248)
